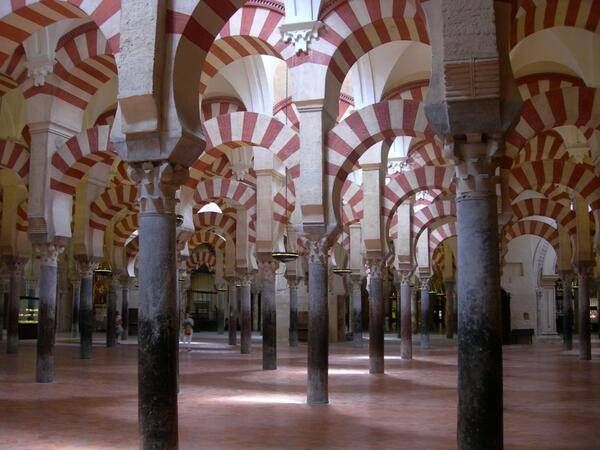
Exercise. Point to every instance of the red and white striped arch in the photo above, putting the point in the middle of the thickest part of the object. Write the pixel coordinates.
(124, 228)
(243, 129)
(110, 202)
(546, 208)
(22, 217)
(556, 193)
(426, 153)
(286, 112)
(6, 84)
(425, 217)
(414, 90)
(533, 176)
(205, 237)
(440, 234)
(238, 192)
(538, 83)
(70, 163)
(201, 258)
(532, 228)
(217, 106)
(214, 220)
(15, 157)
(536, 15)
(19, 19)
(284, 201)
(546, 145)
(569, 106)
(352, 203)
(106, 118)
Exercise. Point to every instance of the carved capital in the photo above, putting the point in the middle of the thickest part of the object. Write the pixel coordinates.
(404, 276)
(374, 268)
(14, 264)
(85, 266)
(267, 267)
(245, 278)
(424, 280)
(584, 268)
(317, 250)
(300, 34)
(158, 183)
(48, 254)
(293, 282)
(39, 67)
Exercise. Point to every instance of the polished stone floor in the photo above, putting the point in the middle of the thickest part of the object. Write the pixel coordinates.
(552, 400)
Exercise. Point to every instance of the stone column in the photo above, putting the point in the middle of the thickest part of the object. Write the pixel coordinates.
(48, 254)
(125, 284)
(157, 314)
(76, 286)
(413, 309)
(424, 326)
(449, 316)
(255, 324)
(15, 268)
(318, 324)
(293, 287)
(584, 272)
(233, 310)
(480, 398)
(376, 315)
(246, 313)
(111, 312)
(221, 292)
(267, 267)
(356, 300)
(405, 314)
(567, 278)
(86, 307)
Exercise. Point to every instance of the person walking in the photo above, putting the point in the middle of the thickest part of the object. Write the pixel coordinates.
(188, 331)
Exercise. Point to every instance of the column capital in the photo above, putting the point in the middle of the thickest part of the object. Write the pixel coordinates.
(158, 182)
(374, 267)
(48, 253)
(85, 266)
(293, 281)
(317, 250)
(14, 264)
(424, 280)
(267, 267)
(584, 268)
(403, 276)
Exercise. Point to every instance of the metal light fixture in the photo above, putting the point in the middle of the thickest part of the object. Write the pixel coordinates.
(285, 256)
(341, 272)
(179, 219)
(103, 268)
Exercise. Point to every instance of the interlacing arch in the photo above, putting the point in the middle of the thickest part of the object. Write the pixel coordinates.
(352, 203)
(217, 106)
(424, 218)
(71, 162)
(352, 137)
(536, 15)
(201, 258)
(236, 191)
(124, 228)
(547, 208)
(531, 227)
(539, 83)
(414, 90)
(214, 220)
(426, 153)
(110, 202)
(546, 145)
(15, 157)
(206, 237)
(440, 234)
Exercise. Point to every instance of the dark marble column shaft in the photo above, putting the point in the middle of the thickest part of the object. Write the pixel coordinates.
(233, 310)
(255, 323)
(425, 311)
(125, 283)
(405, 317)
(584, 272)
(318, 324)
(111, 313)
(76, 285)
(15, 267)
(293, 332)
(376, 316)
(47, 313)
(86, 309)
(221, 293)
(356, 300)
(449, 309)
(267, 267)
(246, 314)
(567, 278)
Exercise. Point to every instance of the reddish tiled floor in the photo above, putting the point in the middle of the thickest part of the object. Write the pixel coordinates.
(552, 400)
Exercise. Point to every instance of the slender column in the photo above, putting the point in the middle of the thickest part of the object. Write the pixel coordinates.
(480, 421)
(86, 307)
(584, 272)
(157, 314)
(356, 299)
(449, 316)
(125, 283)
(48, 254)
(246, 315)
(567, 278)
(2, 309)
(255, 323)
(376, 316)
(233, 312)
(76, 286)
(413, 309)
(267, 267)
(15, 269)
(318, 324)
(111, 332)
(405, 315)
(424, 327)
(221, 292)
(293, 332)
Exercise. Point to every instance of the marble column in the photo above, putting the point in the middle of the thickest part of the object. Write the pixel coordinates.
(567, 278)
(267, 267)
(293, 332)
(125, 281)
(233, 310)
(318, 324)
(480, 397)
(157, 313)
(584, 272)
(405, 315)
(356, 301)
(376, 315)
(255, 323)
(48, 254)
(449, 309)
(221, 293)
(425, 311)
(413, 309)
(76, 286)
(15, 269)
(111, 312)
(86, 307)
(246, 313)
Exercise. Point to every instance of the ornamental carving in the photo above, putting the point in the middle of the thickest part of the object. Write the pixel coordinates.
(158, 183)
